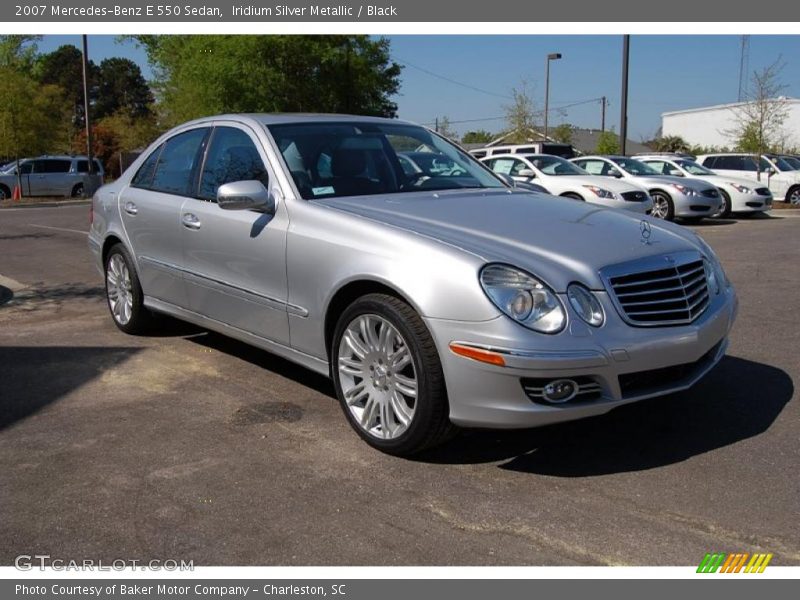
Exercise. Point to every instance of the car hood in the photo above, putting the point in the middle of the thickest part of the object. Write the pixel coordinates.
(556, 239)
(693, 184)
(724, 179)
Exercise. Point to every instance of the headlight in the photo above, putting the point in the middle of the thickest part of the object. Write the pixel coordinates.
(523, 298)
(742, 189)
(711, 277)
(683, 189)
(585, 304)
(601, 192)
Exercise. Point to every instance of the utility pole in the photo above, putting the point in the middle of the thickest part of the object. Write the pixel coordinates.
(436, 125)
(623, 119)
(86, 115)
(603, 103)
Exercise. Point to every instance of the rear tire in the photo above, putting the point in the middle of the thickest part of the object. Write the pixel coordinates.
(124, 292)
(388, 376)
(663, 208)
(5, 193)
(78, 191)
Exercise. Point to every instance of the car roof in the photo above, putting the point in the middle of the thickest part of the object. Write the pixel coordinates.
(289, 118)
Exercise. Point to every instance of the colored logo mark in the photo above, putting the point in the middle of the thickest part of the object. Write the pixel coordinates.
(734, 563)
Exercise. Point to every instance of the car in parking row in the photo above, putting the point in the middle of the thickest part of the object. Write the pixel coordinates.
(562, 178)
(738, 195)
(673, 197)
(769, 170)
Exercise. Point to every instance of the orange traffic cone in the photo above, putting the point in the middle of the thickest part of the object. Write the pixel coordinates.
(17, 194)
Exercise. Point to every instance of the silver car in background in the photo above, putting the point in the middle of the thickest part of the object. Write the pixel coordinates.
(432, 301)
(672, 196)
(737, 195)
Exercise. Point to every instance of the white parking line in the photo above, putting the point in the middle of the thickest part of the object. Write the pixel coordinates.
(59, 228)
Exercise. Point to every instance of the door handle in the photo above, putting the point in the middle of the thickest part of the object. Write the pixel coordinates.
(190, 221)
(131, 208)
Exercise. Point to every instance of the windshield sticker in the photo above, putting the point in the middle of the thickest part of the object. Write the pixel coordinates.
(321, 191)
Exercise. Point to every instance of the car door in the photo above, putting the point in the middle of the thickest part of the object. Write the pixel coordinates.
(235, 260)
(57, 178)
(24, 177)
(151, 213)
(37, 178)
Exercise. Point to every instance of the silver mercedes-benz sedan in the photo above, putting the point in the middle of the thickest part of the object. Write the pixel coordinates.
(433, 298)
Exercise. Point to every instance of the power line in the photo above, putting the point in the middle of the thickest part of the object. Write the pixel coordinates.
(537, 113)
(453, 81)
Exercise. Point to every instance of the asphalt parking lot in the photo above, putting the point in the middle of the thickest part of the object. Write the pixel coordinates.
(188, 445)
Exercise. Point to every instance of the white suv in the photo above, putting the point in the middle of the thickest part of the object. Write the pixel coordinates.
(739, 195)
(778, 175)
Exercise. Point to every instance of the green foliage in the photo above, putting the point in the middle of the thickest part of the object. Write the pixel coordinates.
(669, 143)
(31, 115)
(212, 74)
(64, 67)
(480, 136)
(520, 115)
(607, 143)
(18, 51)
(121, 87)
(563, 133)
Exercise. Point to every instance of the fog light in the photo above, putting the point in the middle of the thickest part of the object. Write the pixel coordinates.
(560, 390)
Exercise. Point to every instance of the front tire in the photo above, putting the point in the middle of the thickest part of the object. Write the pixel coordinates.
(573, 196)
(725, 209)
(388, 376)
(124, 292)
(793, 195)
(78, 191)
(663, 208)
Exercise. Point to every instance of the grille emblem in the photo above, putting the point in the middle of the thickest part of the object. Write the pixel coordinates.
(646, 230)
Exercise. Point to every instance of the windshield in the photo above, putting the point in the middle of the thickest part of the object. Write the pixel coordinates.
(693, 168)
(634, 167)
(333, 159)
(554, 165)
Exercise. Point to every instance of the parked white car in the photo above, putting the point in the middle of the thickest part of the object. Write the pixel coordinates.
(774, 172)
(562, 178)
(739, 195)
(672, 196)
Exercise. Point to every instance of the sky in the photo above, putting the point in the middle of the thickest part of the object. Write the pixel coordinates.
(466, 78)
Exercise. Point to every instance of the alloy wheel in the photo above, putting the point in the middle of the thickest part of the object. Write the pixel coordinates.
(377, 376)
(660, 207)
(794, 198)
(119, 289)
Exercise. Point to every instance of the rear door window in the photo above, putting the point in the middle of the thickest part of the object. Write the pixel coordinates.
(144, 176)
(52, 166)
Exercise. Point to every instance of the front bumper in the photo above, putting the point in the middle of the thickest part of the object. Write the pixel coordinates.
(694, 206)
(741, 203)
(626, 363)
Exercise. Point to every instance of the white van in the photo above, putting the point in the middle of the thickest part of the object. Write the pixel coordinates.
(553, 148)
(782, 180)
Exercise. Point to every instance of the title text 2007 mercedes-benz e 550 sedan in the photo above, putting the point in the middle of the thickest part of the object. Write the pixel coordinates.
(378, 253)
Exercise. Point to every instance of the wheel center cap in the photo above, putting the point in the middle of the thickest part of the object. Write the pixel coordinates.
(380, 376)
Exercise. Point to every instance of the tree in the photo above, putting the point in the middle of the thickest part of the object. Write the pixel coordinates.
(563, 133)
(607, 143)
(105, 145)
(669, 143)
(64, 67)
(480, 136)
(18, 51)
(129, 134)
(520, 115)
(202, 75)
(121, 87)
(759, 119)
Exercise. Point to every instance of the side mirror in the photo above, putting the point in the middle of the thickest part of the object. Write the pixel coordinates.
(769, 171)
(615, 173)
(529, 173)
(245, 195)
(675, 173)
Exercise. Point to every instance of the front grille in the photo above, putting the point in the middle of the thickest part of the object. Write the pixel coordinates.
(588, 388)
(634, 196)
(646, 382)
(755, 204)
(763, 191)
(710, 193)
(674, 295)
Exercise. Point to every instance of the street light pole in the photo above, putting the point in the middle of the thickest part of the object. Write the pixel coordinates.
(623, 119)
(552, 56)
(86, 113)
